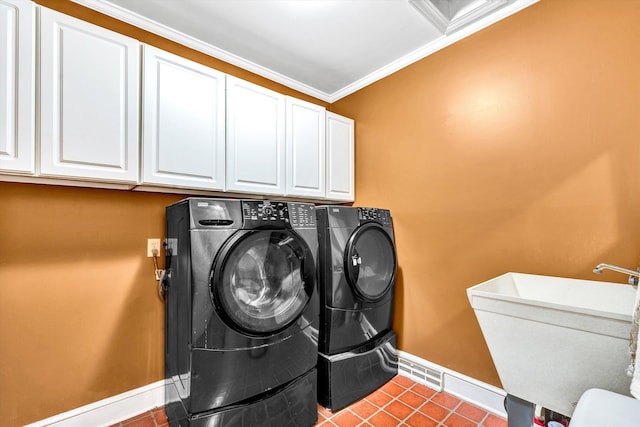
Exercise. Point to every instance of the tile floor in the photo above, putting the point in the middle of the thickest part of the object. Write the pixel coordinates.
(400, 402)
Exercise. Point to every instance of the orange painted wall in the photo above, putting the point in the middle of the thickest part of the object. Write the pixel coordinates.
(516, 149)
(80, 318)
(513, 150)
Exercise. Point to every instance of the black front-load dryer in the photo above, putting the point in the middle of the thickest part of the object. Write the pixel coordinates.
(241, 314)
(357, 272)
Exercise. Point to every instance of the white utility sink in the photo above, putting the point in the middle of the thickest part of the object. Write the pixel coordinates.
(553, 338)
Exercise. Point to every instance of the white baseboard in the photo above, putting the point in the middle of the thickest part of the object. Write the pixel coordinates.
(118, 408)
(481, 394)
(110, 410)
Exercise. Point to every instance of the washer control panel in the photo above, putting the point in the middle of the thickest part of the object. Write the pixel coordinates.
(277, 214)
(261, 213)
(382, 216)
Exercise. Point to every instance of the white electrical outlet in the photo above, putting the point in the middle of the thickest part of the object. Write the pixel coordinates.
(153, 247)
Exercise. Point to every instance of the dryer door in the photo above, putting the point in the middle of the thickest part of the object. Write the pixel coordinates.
(262, 280)
(370, 262)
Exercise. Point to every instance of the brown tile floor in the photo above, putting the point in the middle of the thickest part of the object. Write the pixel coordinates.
(400, 402)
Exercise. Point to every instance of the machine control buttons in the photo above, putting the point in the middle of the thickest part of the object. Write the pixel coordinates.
(302, 215)
(265, 213)
(381, 216)
(259, 213)
(267, 210)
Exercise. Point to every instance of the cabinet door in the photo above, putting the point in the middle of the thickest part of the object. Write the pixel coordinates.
(183, 114)
(255, 138)
(17, 86)
(340, 158)
(305, 147)
(89, 100)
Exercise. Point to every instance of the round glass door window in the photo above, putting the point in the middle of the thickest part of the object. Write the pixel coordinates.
(262, 280)
(370, 262)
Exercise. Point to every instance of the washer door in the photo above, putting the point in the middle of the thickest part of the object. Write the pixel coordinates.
(370, 262)
(262, 280)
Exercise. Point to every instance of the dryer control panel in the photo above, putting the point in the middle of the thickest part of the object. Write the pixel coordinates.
(381, 216)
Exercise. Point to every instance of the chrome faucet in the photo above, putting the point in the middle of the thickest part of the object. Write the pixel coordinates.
(634, 276)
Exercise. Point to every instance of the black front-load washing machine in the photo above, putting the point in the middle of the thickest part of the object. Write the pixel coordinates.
(357, 272)
(241, 314)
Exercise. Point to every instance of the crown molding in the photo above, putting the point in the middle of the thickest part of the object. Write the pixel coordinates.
(432, 47)
(474, 14)
(452, 35)
(186, 40)
(431, 13)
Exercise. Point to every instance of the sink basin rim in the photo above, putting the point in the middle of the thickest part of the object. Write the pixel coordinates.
(494, 289)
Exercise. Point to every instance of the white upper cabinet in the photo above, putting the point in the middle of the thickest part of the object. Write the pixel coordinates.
(17, 86)
(255, 138)
(183, 131)
(340, 158)
(89, 100)
(86, 104)
(305, 148)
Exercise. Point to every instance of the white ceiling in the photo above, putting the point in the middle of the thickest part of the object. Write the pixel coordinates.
(324, 48)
